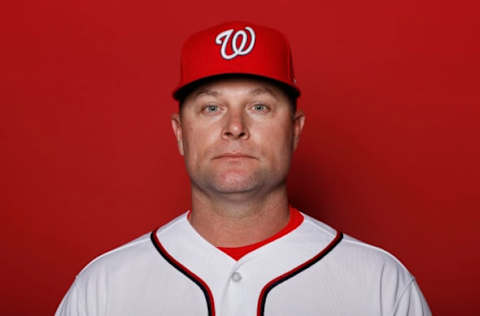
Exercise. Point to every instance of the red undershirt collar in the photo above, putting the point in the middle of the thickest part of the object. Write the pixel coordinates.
(296, 218)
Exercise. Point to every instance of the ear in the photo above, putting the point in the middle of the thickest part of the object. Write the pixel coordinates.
(177, 130)
(298, 122)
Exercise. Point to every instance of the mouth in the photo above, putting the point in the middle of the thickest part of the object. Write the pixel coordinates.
(233, 156)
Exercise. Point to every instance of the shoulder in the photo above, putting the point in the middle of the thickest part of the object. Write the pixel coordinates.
(109, 276)
(130, 256)
(368, 277)
(355, 248)
(352, 257)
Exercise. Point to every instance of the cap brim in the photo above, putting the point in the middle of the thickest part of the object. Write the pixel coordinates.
(183, 90)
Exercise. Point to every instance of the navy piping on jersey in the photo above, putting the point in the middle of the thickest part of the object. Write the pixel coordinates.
(270, 285)
(189, 274)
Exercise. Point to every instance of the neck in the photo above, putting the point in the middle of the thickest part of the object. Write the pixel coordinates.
(227, 222)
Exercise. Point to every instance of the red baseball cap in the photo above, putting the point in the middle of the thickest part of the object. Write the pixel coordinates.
(236, 48)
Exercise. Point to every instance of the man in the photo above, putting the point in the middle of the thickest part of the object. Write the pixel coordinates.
(242, 249)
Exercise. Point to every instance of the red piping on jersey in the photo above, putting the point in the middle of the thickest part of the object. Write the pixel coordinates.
(189, 274)
(270, 285)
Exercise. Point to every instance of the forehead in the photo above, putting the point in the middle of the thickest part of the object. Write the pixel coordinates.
(239, 86)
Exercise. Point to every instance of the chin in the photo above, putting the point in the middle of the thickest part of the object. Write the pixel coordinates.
(235, 183)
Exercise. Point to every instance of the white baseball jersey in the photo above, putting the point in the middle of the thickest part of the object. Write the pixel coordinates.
(312, 270)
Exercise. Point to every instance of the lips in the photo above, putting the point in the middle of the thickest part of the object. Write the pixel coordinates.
(234, 156)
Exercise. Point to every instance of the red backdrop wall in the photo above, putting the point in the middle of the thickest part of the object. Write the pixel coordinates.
(389, 154)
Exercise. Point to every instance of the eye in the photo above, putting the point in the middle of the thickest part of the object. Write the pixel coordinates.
(210, 108)
(260, 107)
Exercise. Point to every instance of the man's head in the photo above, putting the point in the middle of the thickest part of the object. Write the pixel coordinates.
(238, 124)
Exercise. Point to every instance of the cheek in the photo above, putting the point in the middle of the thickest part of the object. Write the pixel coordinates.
(195, 142)
(277, 140)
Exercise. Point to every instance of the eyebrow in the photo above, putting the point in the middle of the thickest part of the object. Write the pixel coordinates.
(263, 90)
(206, 91)
(254, 92)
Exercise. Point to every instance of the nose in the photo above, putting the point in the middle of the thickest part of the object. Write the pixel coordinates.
(235, 126)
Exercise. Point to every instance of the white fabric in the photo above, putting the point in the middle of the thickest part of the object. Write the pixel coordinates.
(353, 279)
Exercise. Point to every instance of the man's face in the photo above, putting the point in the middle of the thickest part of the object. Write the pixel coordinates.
(237, 135)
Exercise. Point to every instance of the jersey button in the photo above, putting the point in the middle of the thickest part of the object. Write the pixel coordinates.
(236, 277)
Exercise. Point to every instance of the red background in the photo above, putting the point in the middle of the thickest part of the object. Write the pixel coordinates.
(389, 153)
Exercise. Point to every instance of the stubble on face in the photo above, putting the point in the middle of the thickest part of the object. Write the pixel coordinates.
(237, 137)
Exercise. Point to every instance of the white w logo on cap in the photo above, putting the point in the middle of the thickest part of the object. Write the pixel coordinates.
(224, 37)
